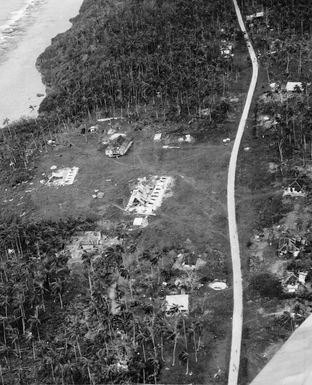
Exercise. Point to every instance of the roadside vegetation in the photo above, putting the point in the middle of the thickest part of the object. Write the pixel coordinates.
(277, 172)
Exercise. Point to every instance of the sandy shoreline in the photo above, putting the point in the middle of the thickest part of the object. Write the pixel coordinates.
(20, 82)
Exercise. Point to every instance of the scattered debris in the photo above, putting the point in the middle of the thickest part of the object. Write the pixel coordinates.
(186, 138)
(205, 112)
(98, 194)
(63, 176)
(83, 242)
(170, 147)
(226, 140)
(273, 167)
(265, 123)
(226, 49)
(108, 119)
(246, 148)
(170, 140)
(275, 46)
(177, 301)
(179, 264)
(148, 194)
(53, 167)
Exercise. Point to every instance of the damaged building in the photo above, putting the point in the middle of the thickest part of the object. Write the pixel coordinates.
(118, 145)
(63, 176)
(148, 194)
(226, 49)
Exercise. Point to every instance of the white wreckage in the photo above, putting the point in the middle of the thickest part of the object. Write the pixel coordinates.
(148, 194)
(63, 176)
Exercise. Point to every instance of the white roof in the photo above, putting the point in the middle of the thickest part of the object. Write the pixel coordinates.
(290, 86)
(140, 221)
(180, 300)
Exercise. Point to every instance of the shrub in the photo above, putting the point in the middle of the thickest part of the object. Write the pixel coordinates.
(267, 285)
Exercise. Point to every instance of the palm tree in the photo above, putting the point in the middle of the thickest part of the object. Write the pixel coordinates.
(184, 357)
(35, 321)
(57, 288)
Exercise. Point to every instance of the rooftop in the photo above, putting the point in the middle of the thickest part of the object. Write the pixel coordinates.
(177, 300)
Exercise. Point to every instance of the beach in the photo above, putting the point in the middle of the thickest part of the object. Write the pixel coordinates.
(20, 82)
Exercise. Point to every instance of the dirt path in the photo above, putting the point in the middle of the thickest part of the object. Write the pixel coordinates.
(237, 320)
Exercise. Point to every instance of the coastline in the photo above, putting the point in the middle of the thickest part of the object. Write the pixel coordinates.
(20, 80)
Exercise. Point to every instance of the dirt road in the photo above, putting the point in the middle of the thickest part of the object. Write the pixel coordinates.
(237, 320)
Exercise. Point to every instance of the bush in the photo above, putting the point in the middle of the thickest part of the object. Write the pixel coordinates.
(267, 285)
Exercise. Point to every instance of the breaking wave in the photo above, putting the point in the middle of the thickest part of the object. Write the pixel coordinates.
(16, 24)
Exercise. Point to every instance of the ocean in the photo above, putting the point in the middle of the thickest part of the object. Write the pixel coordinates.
(26, 29)
(15, 17)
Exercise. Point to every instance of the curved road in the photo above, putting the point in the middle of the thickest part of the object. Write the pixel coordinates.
(237, 320)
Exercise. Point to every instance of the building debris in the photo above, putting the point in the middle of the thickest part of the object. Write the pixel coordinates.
(63, 176)
(256, 15)
(265, 121)
(287, 245)
(275, 46)
(170, 139)
(90, 240)
(148, 194)
(292, 284)
(97, 194)
(170, 147)
(93, 129)
(226, 49)
(294, 190)
(179, 264)
(205, 112)
(186, 138)
(302, 275)
(118, 145)
(109, 119)
(177, 301)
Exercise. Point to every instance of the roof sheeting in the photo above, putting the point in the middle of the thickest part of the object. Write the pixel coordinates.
(179, 300)
(291, 86)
